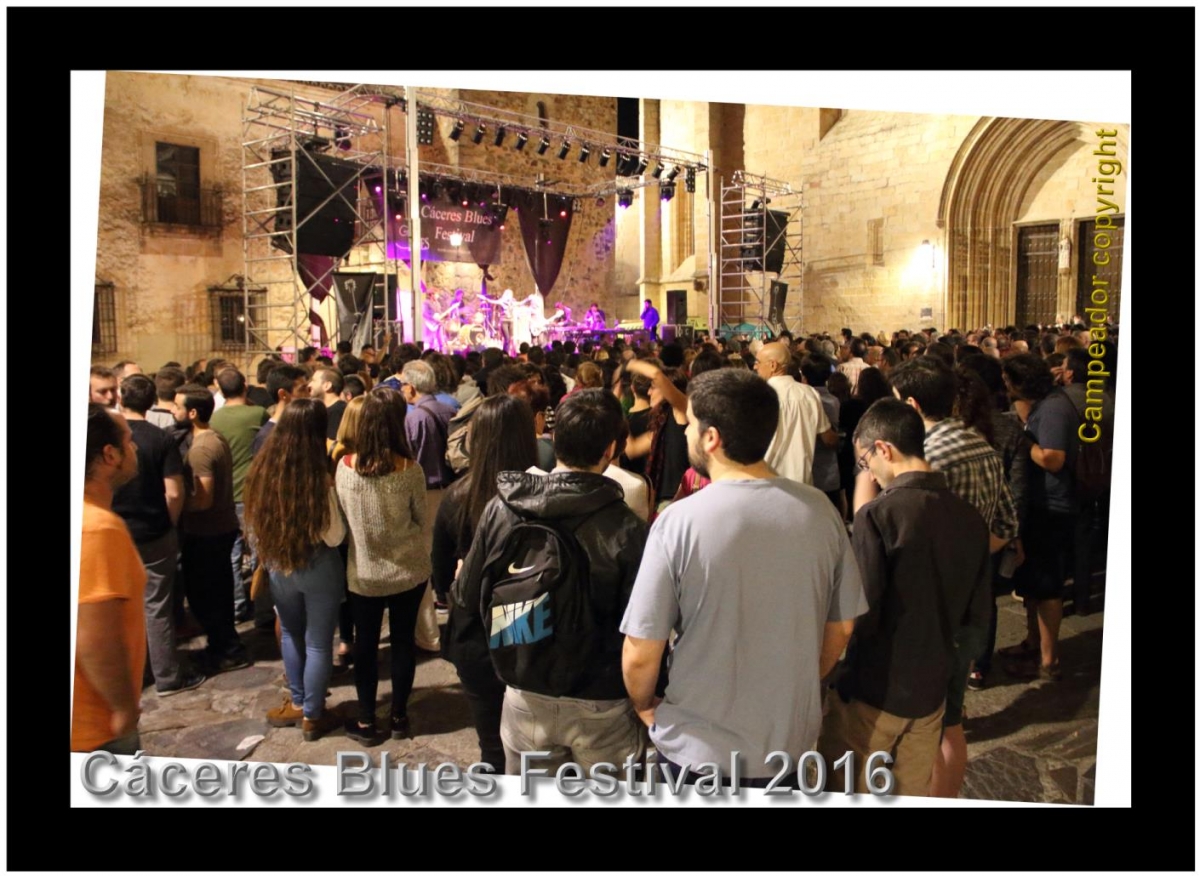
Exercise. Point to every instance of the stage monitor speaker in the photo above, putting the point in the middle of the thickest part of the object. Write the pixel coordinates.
(777, 221)
(322, 230)
(677, 334)
(676, 306)
(778, 301)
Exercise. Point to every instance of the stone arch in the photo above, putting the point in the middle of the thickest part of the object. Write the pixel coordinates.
(981, 198)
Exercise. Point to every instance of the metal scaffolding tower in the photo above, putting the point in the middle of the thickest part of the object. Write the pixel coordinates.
(761, 256)
(283, 133)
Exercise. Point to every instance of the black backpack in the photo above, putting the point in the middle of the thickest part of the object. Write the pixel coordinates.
(1093, 463)
(536, 607)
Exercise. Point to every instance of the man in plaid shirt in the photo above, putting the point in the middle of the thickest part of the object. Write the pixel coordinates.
(974, 471)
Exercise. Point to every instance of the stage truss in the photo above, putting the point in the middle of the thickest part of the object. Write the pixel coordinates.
(280, 126)
(744, 288)
(279, 129)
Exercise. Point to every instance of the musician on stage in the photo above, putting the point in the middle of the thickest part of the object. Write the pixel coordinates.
(433, 321)
(650, 319)
(506, 304)
(593, 320)
(535, 312)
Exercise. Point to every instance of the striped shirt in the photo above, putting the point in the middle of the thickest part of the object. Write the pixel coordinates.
(974, 471)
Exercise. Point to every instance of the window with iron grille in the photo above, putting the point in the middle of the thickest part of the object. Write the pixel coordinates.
(171, 193)
(229, 316)
(104, 320)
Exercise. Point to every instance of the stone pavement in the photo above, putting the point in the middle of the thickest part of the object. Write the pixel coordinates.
(1028, 741)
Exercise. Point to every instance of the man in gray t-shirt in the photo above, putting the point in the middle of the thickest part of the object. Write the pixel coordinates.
(756, 576)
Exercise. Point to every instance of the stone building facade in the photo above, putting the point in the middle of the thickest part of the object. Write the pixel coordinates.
(1007, 207)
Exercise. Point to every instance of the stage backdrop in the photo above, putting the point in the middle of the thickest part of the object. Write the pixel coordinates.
(440, 218)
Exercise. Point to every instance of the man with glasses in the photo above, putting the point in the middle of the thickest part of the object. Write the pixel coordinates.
(922, 552)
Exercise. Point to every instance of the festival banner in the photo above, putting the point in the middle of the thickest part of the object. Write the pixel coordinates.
(450, 232)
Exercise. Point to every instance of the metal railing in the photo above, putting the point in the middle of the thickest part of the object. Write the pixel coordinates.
(180, 205)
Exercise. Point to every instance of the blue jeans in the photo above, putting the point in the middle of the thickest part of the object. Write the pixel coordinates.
(309, 601)
(242, 550)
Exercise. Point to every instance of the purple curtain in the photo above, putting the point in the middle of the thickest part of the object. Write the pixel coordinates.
(316, 272)
(544, 232)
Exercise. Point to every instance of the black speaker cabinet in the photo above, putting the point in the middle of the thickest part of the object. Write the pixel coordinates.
(321, 230)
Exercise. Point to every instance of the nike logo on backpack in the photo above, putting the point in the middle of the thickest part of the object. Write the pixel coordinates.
(513, 570)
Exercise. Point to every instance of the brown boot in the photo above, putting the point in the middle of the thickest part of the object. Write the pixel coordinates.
(315, 729)
(285, 714)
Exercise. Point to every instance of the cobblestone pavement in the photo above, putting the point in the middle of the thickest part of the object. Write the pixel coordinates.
(1028, 741)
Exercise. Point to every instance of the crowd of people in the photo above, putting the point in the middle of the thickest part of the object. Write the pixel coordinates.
(729, 546)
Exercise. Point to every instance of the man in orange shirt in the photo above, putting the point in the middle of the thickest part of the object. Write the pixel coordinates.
(110, 647)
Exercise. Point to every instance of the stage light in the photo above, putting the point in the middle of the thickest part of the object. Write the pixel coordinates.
(643, 163)
(477, 137)
(566, 147)
(425, 123)
(689, 179)
(625, 198)
(522, 139)
(658, 169)
(543, 146)
(604, 156)
(666, 191)
(753, 207)
(500, 132)
(584, 152)
(674, 172)
(458, 129)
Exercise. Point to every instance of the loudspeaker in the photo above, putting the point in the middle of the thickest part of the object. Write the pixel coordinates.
(778, 301)
(777, 221)
(677, 306)
(677, 334)
(321, 230)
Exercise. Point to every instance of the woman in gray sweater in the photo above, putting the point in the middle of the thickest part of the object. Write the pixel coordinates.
(381, 490)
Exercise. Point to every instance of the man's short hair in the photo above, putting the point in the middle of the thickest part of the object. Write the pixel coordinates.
(138, 393)
(119, 368)
(492, 357)
(197, 398)
(333, 377)
(307, 354)
(1029, 376)
(928, 381)
(232, 383)
(1077, 364)
(354, 385)
(816, 369)
(167, 382)
(283, 377)
(894, 422)
(344, 347)
(584, 425)
(858, 348)
(102, 431)
(502, 378)
(265, 367)
(537, 355)
(741, 406)
(102, 371)
(349, 364)
(672, 355)
(419, 375)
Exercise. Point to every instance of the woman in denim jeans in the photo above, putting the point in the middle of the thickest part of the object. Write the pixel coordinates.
(292, 513)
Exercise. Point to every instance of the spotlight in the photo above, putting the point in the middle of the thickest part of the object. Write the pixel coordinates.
(522, 139)
(674, 172)
(666, 191)
(625, 198)
(689, 179)
(643, 163)
(604, 156)
(500, 132)
(477, 137)
(754, 207)
(562, 152)
(584, 152)
(658, 169)
(458, 129)
(424, 127)
(544, 145)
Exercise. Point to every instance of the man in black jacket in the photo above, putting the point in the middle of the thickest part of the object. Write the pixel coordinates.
(594, 721)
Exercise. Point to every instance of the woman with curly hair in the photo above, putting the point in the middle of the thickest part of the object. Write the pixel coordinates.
(381, 489)
(296, 528)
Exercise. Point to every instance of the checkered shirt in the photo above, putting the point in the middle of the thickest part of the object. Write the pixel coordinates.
(974, 471)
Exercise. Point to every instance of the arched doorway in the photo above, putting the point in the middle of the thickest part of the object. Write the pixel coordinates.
(985, 187)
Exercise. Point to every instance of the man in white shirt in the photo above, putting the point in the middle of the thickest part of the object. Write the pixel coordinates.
(856, 363)
(802, 419)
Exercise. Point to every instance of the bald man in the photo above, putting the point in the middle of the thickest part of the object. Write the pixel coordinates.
(1019, 347)
(802, 419)
(990, 348)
